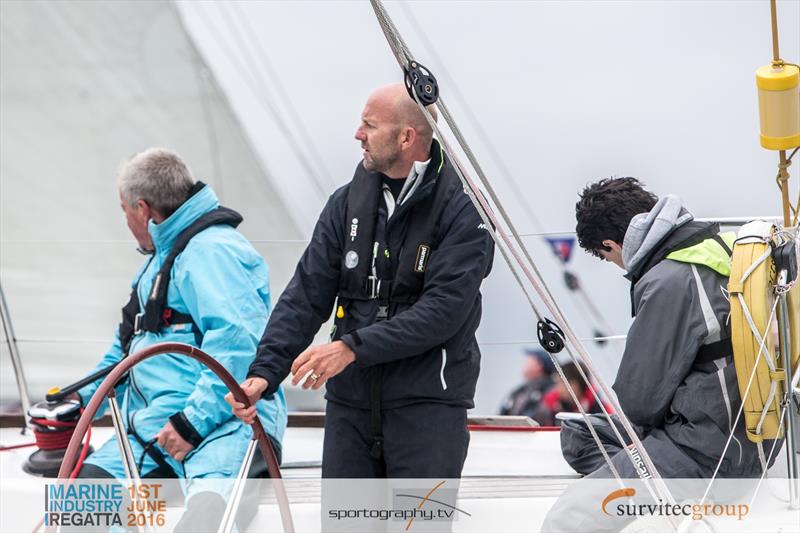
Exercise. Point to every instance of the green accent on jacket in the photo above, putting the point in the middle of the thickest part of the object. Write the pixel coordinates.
(708, 253)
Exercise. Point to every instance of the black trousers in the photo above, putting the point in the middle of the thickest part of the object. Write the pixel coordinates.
(423, 440)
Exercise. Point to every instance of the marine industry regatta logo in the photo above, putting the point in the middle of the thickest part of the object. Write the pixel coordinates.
(103, 504)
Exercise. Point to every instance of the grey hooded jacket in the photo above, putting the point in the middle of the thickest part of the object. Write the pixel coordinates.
(679, 307)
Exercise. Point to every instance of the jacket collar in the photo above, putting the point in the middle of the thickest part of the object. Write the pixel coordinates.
(647, 231)
(681, 237)
(427, 183)
(197, 205)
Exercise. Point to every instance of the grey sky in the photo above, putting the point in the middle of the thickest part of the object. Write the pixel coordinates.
(568, 92)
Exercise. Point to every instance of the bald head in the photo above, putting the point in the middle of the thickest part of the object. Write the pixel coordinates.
(405, 111)
(394, 132)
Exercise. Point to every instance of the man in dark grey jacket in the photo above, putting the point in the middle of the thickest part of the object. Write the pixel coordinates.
(401, 252)
(676, 381)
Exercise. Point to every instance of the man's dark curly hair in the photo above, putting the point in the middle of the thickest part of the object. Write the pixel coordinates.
(605, 210)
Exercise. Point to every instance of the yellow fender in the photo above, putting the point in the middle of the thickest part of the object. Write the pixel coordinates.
(752, 296)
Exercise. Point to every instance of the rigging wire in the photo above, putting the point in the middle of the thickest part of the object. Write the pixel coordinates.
(403, 57)
(275, 81)
(761, 353)
(487, 216)
(260, 93)
(202, 77)
(786, 402)
(591, 311)
(91, 340)
(723, 221)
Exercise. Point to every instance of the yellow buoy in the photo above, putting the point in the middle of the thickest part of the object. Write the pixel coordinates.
(779, 105)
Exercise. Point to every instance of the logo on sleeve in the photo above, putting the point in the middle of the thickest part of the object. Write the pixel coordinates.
(423, 253)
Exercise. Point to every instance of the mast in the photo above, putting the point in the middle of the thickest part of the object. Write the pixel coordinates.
(783, 166)
(13, 350)
(784, 72)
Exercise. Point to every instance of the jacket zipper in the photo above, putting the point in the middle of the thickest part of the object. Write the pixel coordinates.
(441, 372)
(419, 195)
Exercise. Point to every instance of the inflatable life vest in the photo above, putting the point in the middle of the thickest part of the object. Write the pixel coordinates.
(420, 239)
(157, 314)
(757, 260)
(714, 253)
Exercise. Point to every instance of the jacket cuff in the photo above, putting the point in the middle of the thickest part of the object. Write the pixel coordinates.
(185, 429)
(273, 381)
(354, 342)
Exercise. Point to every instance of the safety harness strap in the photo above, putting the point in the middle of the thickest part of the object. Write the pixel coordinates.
(157, 315)
(155, 306)
(714, 351)
(421, 237)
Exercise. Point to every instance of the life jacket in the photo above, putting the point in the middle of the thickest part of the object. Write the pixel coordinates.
(714, 253)
(356, 280)
(156, 314)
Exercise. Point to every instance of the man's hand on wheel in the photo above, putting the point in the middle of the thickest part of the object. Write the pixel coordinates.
(253, 388)
(171, 441)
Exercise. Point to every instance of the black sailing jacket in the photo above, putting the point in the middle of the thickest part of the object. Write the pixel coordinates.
(425, 351)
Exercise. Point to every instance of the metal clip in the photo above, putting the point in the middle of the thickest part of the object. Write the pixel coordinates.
(137, 323)
(373, 287)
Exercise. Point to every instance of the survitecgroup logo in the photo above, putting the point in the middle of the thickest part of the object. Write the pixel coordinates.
(696, 511)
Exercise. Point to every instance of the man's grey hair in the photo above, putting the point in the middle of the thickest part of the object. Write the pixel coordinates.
(157, 176)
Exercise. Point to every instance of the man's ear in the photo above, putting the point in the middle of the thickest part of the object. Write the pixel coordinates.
(145, 209)
(408, 135)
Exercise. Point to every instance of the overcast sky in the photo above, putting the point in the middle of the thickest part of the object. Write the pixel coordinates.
(567, 92)
(564, 93)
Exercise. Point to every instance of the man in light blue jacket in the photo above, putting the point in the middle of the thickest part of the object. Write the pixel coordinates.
(215, 295)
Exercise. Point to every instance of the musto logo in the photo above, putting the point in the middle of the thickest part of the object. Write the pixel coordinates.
(696, 511)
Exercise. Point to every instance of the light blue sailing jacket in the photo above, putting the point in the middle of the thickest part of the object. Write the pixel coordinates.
(223, 283)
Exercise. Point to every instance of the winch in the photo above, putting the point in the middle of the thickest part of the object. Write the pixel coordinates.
(53, 423)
